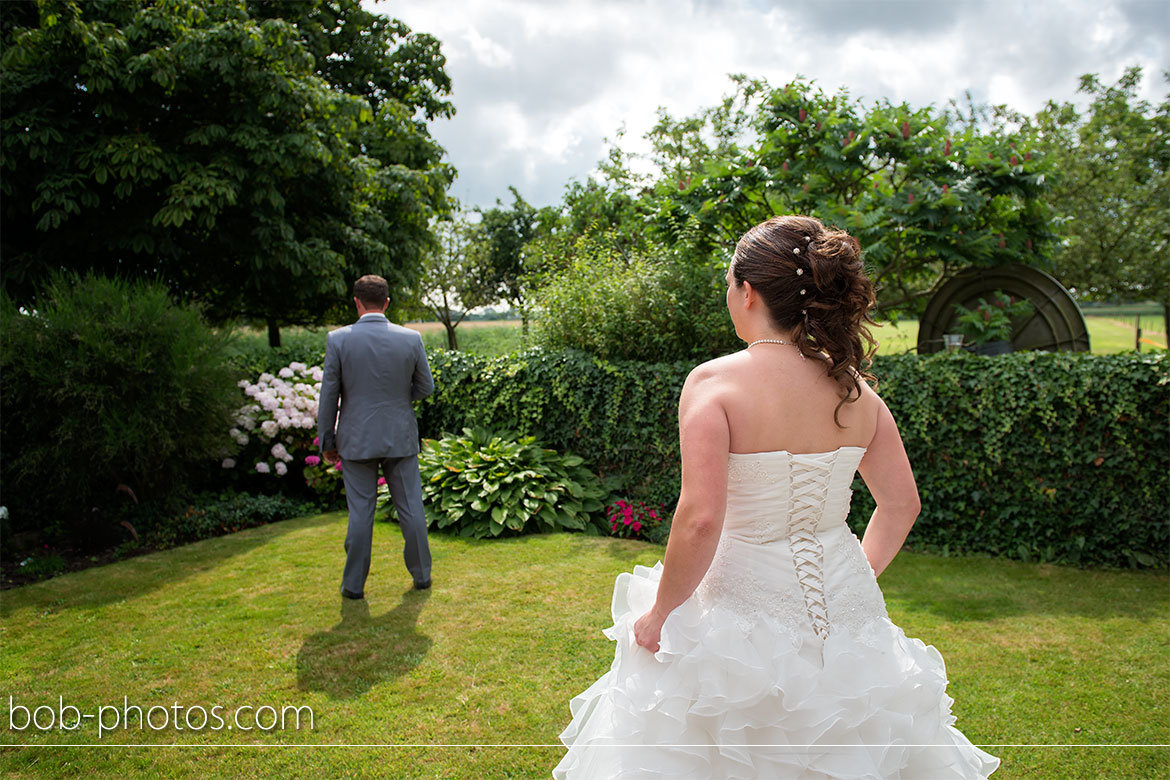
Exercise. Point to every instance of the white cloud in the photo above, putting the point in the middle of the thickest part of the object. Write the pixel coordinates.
(539, 85)
(487, 52)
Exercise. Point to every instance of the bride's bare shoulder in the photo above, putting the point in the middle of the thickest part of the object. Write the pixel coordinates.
(714, 371)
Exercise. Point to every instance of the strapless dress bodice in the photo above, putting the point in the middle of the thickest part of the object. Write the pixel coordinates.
(771, 495)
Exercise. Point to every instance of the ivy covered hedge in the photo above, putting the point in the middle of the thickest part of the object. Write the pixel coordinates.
(620, 416)
(1041, 456)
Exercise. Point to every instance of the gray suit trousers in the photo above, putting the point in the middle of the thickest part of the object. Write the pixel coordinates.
(361, 494)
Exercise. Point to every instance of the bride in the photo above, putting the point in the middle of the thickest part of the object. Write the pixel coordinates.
(762, 647)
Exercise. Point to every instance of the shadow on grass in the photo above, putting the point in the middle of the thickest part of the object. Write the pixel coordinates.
(628, 551)
(139, 575)
(977, 588)
(362, 651)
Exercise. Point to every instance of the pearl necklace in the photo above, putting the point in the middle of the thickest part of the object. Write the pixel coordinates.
(775, 341)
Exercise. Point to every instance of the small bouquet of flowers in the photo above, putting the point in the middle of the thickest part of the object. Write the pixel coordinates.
(325, 479)
(633, 519)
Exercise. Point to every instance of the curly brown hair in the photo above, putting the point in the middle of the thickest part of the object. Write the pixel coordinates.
(812, 279)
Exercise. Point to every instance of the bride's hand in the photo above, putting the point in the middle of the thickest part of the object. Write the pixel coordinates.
(648, 631)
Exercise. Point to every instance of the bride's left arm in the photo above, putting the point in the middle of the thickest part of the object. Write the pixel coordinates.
(704, 441)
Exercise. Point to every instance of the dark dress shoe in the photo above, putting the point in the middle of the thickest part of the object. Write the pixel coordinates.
(422, 585)
(349, 594)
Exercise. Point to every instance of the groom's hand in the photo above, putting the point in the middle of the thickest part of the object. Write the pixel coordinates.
(331, 456)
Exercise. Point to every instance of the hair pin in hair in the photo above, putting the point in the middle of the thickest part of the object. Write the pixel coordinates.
(804, 312)
(796, 250)
(799, 271)
(807, 239)
(802, 291)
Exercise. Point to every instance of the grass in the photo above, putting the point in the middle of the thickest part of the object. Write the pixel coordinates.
(512, 629)
(1109, 335)
(1151, 315)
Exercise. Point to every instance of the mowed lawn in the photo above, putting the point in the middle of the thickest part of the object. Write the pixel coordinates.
(473, 678)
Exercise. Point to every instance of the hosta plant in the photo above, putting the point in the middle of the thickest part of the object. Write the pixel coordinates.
(485, 484)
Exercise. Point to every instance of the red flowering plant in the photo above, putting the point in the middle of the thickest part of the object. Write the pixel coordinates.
(633, 519)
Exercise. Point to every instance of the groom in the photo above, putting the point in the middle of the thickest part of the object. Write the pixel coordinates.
(375, 369)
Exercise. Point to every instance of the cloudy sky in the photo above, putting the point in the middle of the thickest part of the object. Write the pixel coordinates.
(539, 85)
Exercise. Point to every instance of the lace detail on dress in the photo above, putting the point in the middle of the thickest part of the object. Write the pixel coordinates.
(809, 476)
(855, 558)
(746, 597)
(855, 608)
(747, 471)
(857, 605)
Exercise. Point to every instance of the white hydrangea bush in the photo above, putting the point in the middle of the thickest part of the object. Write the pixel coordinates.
(278, 419)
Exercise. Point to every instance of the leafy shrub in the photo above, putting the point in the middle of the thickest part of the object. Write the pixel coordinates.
(1042, 456)
(206, 518)
(623, 306)
(106, 389)
(484, 485)
(251, 355)
(989, 322)
(42, 566)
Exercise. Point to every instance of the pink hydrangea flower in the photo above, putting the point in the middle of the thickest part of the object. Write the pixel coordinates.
(381, 480)
(312, 460)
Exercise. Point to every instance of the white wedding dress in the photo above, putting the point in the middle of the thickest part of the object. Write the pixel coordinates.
(782, 664)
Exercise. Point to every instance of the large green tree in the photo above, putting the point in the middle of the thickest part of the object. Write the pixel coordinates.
(926, 191)
(255, 157)
(1112, 190)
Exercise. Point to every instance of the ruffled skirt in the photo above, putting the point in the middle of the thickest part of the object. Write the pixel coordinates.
(721, 700)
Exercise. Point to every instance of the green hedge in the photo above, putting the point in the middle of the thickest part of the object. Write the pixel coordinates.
(1041, 456)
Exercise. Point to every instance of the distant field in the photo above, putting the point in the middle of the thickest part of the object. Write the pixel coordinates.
(480, 337)
(437, 327)
(896, 339)
(1108, 335)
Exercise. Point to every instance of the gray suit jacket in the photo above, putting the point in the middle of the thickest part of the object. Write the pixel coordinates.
(375, 369)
